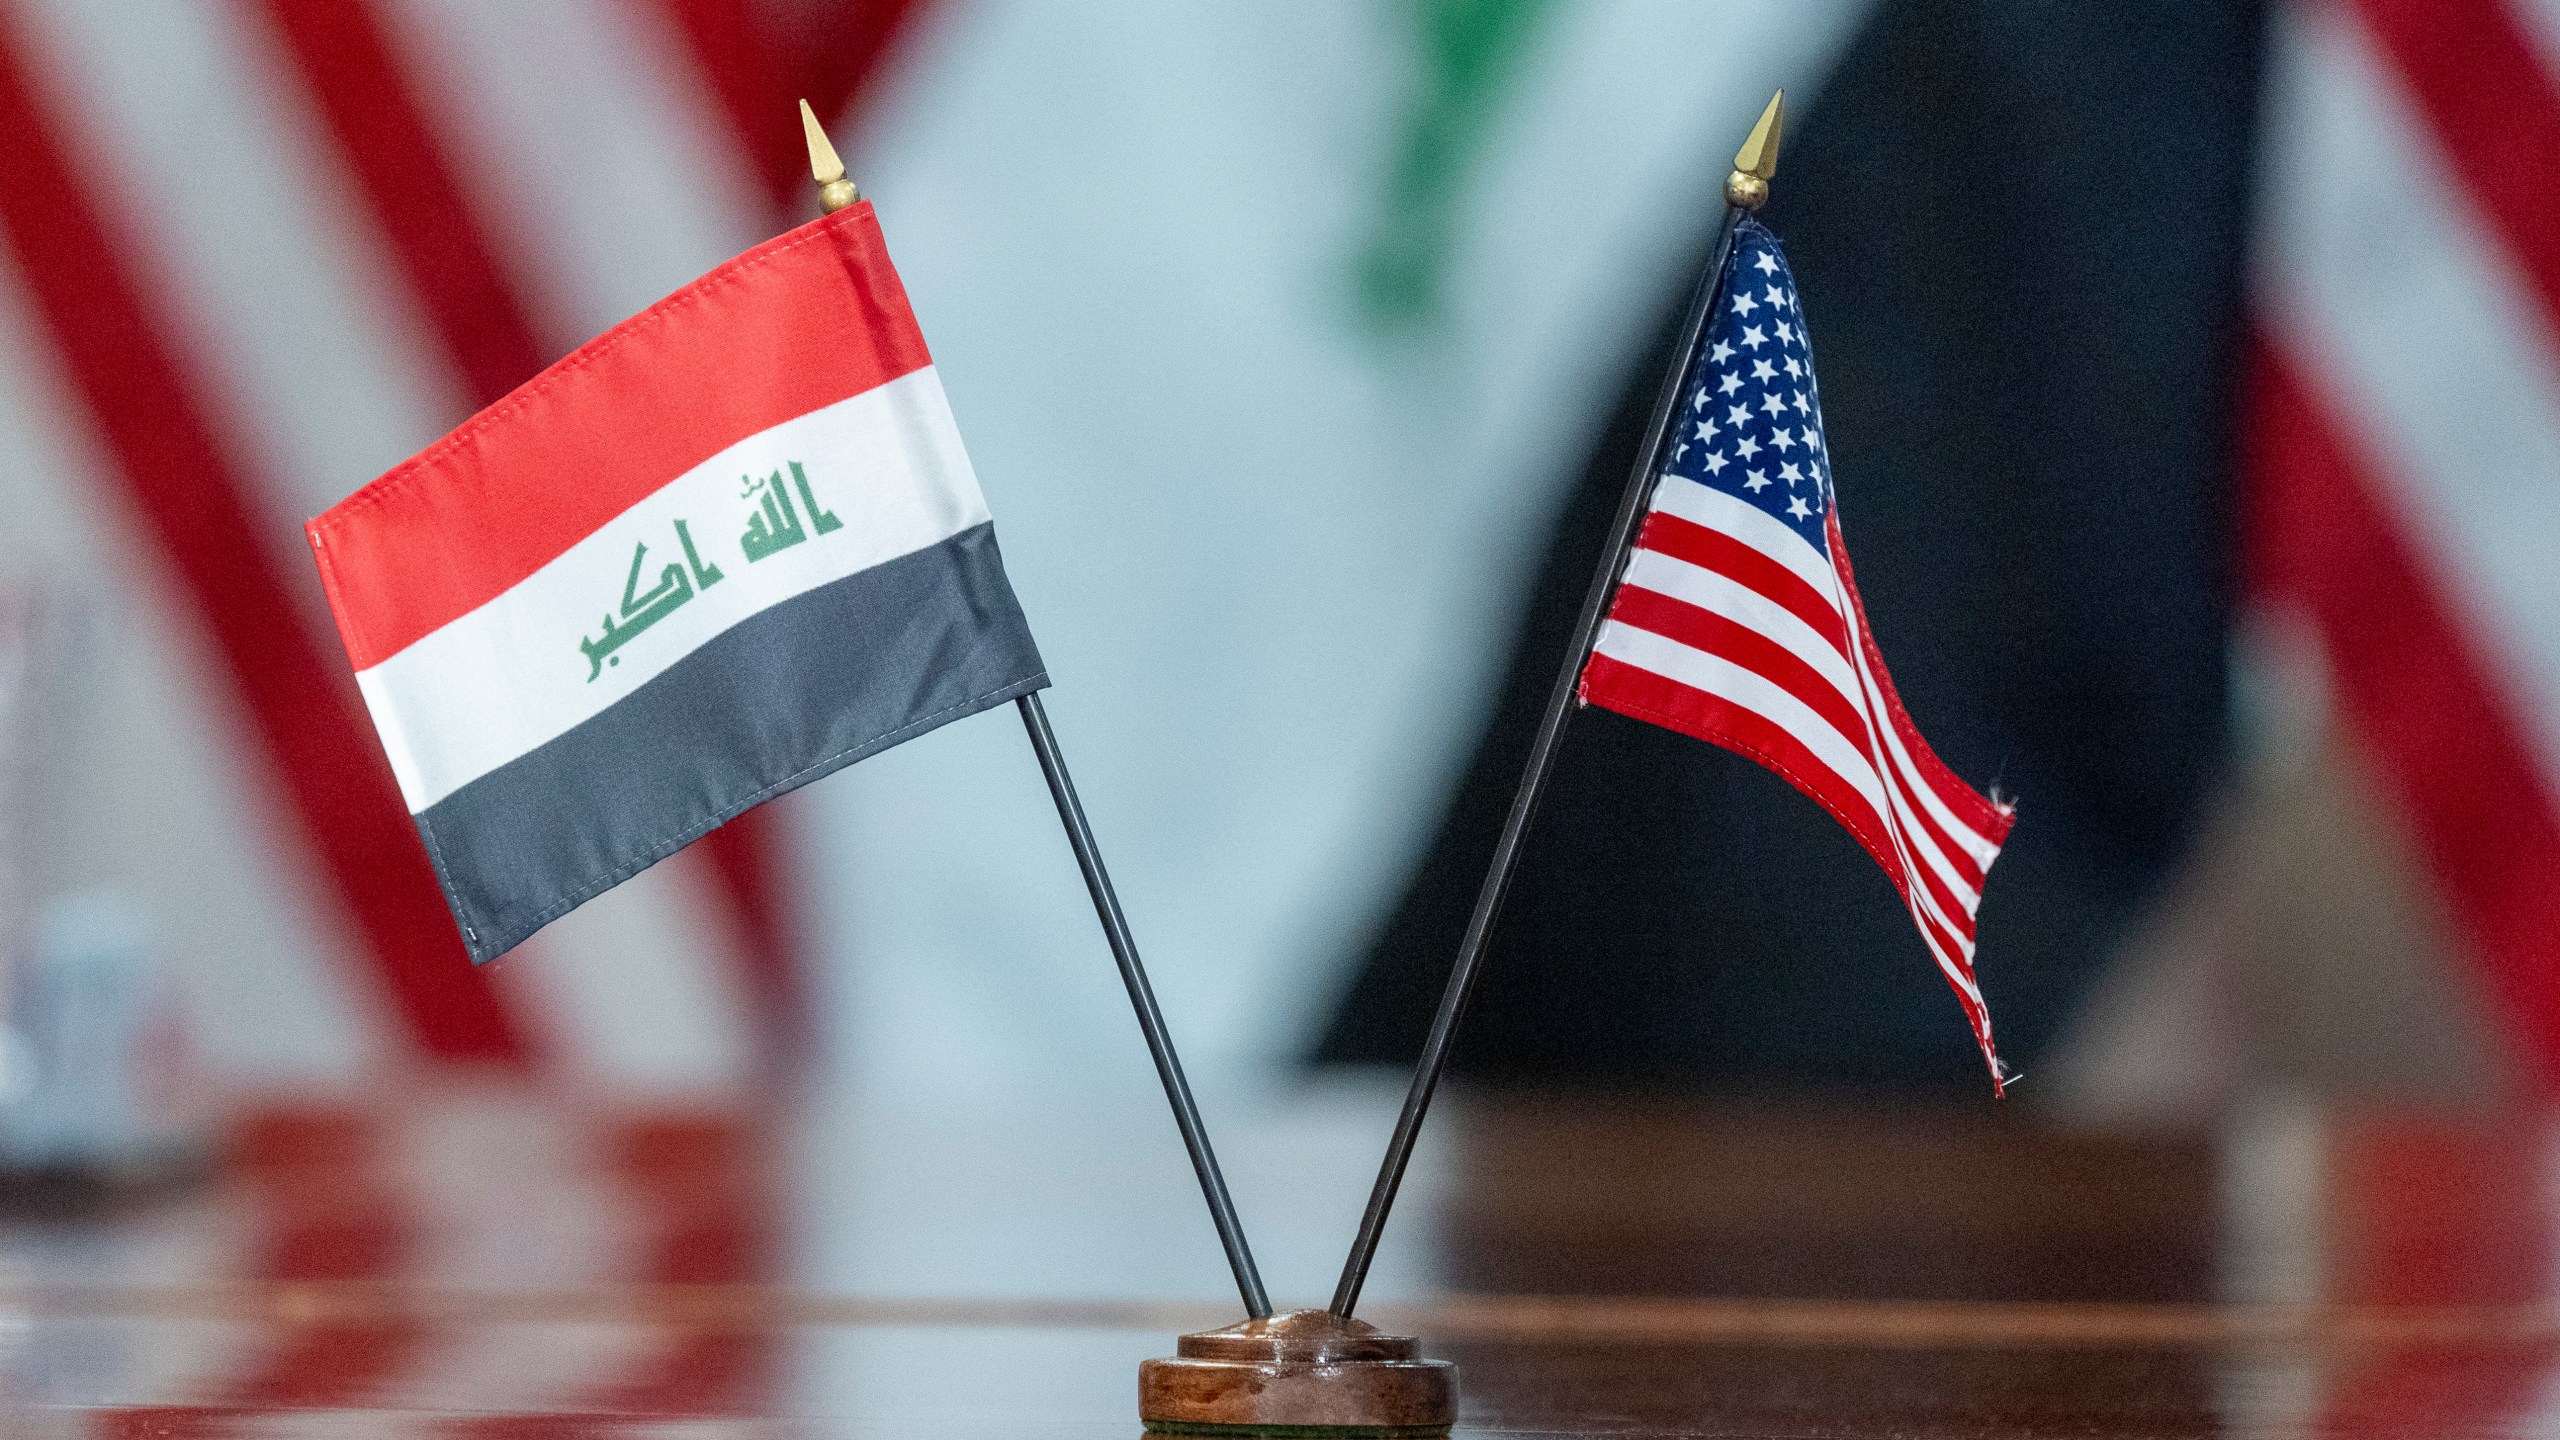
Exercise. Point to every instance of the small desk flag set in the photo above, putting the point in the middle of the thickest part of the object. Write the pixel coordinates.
(734, 544)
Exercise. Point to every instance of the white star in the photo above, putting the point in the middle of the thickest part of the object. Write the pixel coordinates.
(1730, 383)
(1763, 370)
(1803, 406)
(1752, 337)
(1786, 332)
(1699, 400)
(1679, 450)
(1737, 414)
(1759, 480)
(1720, 352)
(1789, 473)
(1799, 509)
(1746, 447)
(1772, 403)
(1782, 439)
(1795, 368)
(1706, 431)
(1776, 296)
(1744, 304)
(1715, 463)
(1767, 262)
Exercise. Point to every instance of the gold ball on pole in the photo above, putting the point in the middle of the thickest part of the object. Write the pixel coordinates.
(1745, 192)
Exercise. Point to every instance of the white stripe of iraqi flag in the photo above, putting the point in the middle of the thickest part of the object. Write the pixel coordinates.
(729, 546)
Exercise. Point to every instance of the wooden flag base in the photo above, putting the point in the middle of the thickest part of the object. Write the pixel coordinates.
(1297, 1372)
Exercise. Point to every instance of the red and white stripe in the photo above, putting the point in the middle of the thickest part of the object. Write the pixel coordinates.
(250, 254)
(454, 1189)
(1731, 627)
(2402, 449)
(454, 576)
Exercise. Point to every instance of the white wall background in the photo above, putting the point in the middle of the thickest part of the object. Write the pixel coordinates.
(1271, 558)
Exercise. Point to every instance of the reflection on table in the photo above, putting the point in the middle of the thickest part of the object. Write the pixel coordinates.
(491, 1263)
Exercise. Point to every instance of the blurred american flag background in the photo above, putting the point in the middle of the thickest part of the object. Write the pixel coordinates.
(263, 251)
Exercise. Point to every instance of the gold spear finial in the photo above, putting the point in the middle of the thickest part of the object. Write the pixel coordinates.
(1756, 163)
(834, 191)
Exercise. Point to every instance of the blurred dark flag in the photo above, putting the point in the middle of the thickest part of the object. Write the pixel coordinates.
(2200, 342)
(2019, 233)
(2141, 324)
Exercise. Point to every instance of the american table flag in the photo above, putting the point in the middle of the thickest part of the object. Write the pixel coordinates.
(1737, 620)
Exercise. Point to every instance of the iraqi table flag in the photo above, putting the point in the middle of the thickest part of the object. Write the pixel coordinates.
(727, 547)
(1736, 620)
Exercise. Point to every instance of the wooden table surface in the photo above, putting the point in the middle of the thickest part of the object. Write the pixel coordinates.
(1621, 1270)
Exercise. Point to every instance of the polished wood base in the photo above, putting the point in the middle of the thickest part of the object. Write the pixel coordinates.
(1299, 1371)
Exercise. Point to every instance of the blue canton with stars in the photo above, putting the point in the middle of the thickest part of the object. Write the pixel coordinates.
(1752, 422)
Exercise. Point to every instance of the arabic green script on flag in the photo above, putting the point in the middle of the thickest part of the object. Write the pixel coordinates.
(727, 547)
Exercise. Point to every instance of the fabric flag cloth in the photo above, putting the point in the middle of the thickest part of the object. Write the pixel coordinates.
(1737, 620)
(727, 547)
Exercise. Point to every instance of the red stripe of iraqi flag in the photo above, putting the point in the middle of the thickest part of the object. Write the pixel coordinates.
(187, 489)
(594, 422)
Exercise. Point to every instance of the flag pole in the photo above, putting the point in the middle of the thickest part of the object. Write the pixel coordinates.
(1745, 190)
(1142, 997)
(834, 193)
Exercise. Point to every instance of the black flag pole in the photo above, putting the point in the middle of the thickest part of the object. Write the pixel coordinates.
(1745, 190)
(834, 193)
(1142, 996)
